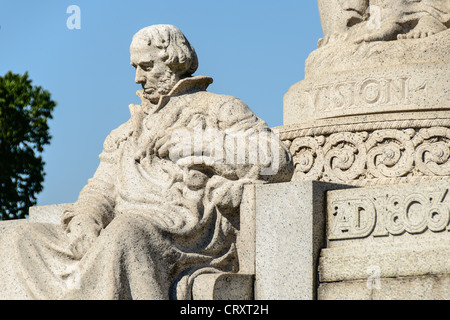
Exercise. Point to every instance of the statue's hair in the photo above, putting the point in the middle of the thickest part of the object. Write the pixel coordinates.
(180, 53)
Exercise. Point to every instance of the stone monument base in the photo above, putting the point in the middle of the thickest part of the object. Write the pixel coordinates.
(316, 240)
(364, 243)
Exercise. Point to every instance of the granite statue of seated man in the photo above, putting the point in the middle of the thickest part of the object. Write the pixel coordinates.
(163, 205)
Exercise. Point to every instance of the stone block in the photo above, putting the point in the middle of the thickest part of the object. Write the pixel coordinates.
(42, 214)
(371, 77)
(290, 231)
(246, 239)
(432, 287)
(379, 90)
(390, 260)
(383, 215)
(395, 233)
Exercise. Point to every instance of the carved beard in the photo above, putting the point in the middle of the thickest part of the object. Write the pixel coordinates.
(165, 84)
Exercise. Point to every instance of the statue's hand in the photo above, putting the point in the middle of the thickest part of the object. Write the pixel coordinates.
(185, 143)
(171, 140)
(82, 230)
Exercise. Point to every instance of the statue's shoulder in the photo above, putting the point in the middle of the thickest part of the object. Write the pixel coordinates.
(222, 105)
(230, 110)
(116, 138)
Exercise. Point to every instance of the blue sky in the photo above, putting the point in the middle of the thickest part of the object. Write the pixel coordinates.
(254, 49)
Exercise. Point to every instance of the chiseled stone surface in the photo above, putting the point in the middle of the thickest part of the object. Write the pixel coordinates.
(48, 214)
(223, 286)
(4, 225)
(378, 149)
(290, 230)
(213, 286)
(429, 287)
(371, 89)
(411, 259)
(246, 238)
(390, 214)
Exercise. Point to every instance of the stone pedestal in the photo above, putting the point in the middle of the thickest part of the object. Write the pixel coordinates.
(374, 112)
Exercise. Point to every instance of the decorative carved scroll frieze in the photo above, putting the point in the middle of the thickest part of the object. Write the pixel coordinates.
(371, 153)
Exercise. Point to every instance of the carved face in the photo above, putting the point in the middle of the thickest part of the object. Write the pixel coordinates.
(152, 72)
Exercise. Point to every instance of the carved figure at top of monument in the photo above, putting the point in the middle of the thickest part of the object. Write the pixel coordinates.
(163, 205)
(378, 20)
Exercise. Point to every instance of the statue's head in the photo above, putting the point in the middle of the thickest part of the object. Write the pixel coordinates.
(162, 56)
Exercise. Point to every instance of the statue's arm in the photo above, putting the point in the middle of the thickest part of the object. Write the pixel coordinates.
(91, 213)
(96, 199)
(266, 157)
(237, 146)
(261, 157)
(225, 155)
(266, 160)
(94, 209)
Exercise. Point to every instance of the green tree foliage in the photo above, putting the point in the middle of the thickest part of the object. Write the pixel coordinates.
(24, 111)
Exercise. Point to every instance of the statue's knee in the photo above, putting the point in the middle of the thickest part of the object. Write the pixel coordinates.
(23, 234)
(17, 232)
(126, 228)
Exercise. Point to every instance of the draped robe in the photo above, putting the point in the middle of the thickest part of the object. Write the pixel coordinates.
(165, 216)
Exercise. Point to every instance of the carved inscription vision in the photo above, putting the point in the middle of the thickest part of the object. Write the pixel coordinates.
(373, 92)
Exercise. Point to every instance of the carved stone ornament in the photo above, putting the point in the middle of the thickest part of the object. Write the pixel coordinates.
(370, 153)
